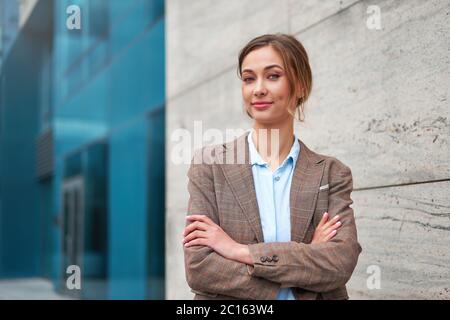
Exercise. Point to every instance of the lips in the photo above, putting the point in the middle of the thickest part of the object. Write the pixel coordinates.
(261, 105)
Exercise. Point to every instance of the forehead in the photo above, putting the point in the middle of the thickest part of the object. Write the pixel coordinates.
(259, 58)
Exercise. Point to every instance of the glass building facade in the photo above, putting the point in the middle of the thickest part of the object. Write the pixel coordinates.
(82, 130)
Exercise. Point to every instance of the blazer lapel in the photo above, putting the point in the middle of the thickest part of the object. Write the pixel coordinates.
(304, 191)
(304, 188)
(240, 178)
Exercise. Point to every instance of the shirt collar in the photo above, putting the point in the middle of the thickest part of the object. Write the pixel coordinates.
(255, 157)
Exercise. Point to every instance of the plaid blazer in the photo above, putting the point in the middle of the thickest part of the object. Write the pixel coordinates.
(225, 192)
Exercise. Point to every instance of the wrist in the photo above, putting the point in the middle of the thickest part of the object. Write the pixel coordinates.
(242, 254)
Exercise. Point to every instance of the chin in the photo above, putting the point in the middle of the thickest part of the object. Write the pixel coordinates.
(270, 118)
(264, 119)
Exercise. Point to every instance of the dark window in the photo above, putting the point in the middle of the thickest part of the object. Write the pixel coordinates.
(98, 19)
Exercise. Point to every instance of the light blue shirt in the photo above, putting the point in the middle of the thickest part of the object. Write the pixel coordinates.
(273, 194)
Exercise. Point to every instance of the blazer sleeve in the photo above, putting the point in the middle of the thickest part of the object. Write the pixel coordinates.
(315, 267)
(207, 271)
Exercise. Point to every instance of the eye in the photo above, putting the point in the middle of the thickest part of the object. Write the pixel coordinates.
(247, 80)
(274, 76)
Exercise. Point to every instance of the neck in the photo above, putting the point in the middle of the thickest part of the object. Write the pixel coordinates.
(273, 142)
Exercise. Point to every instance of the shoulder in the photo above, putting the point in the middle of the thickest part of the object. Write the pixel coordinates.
(216, 153)
(336, 166)
(335, 173)
(207, 155)
(204, 161)
(332, 164)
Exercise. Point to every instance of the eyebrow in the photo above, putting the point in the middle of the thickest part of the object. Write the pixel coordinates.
(268, 67)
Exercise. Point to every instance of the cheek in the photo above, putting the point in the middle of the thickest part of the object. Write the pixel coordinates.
(280, 91)
(246, 94)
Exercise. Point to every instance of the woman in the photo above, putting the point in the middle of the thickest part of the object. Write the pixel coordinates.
(277, 225)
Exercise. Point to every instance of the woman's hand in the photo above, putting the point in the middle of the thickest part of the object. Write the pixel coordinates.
(326, 229)
(204, 232)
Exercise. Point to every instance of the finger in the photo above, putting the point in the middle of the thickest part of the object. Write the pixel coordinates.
(194, 235)
(207, 220)
(332, 227)
(196, 225)
(193, 217)
(196, 242)
(323, 220)
(331, 222)
(200, 217)
(330, 235)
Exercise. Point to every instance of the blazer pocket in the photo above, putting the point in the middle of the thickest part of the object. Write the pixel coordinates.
(322, 198)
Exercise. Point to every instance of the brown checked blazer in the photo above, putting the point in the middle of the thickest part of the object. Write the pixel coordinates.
(225, 192)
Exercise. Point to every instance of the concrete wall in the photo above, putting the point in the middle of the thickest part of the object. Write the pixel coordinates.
(379, 104)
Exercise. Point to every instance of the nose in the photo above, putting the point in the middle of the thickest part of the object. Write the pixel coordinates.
(259, 90)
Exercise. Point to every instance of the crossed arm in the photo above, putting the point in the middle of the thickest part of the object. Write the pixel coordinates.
(215, 263)
(202, 231)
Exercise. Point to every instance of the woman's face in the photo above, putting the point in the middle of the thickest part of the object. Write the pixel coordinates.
(265, 86)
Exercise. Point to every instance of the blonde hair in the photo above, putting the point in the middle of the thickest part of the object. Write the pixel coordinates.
(295, 60)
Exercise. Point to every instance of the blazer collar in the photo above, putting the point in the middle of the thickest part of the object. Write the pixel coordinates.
(308, 173)
(255, 157)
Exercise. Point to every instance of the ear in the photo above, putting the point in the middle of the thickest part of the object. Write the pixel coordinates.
(298, 91)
